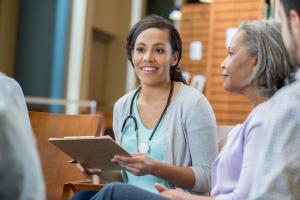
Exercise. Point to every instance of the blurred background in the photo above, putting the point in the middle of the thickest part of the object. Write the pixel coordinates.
(69, 55)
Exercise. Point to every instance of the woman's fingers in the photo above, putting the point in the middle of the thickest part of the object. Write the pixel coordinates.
(138, 164)
(133, 170)
(160, 187)
(93, 171)
(125, 159)
(132, 165)
(136, 158)
(80, 167)
(88, 171)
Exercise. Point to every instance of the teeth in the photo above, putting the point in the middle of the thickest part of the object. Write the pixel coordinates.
(148, 69)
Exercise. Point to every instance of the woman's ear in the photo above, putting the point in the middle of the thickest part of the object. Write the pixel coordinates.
(255, 60)
(175, 58)
(295, 22)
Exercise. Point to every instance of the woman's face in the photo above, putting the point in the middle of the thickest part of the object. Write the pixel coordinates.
(238, 65)
(152, 56)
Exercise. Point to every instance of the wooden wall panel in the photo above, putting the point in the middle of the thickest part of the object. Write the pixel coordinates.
(229, 108)
(194, 26)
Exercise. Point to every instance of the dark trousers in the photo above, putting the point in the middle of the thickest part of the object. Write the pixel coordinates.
(117, 191)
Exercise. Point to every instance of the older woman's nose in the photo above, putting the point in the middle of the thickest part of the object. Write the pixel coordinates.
(223, 64)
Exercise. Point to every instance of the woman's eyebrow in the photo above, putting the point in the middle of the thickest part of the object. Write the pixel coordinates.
(141, 43)
(156, 44)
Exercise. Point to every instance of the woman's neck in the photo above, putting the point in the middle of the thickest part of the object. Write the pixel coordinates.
(253, 95)
(155, 93)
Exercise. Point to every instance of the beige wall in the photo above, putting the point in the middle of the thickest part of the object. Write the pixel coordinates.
(117, 60)
(8, 35)
(106, 15)
(112, 18)
(86, 52)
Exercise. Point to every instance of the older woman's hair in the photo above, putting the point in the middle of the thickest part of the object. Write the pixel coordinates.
(273, 71)
(155, 21)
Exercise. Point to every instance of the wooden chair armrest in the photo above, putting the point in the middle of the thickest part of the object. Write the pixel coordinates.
(75, 186)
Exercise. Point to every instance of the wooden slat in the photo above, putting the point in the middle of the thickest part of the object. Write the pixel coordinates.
(225, 106)
(193, 29)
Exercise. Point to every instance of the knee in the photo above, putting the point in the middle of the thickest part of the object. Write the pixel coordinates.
(108, 191)
(84, 194)
(116, 189)
(114, 185)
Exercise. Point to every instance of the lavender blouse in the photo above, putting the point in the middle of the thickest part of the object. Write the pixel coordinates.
(233, 169)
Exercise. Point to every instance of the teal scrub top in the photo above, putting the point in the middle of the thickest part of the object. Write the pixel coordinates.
(145, 182)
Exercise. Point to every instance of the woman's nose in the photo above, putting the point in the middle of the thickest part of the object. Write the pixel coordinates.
(148, 57)
(223, 64)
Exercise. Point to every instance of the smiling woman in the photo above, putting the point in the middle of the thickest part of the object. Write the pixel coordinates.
(152, 57)
(167, 126)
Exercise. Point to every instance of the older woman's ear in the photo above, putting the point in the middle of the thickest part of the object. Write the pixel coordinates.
(256, 60)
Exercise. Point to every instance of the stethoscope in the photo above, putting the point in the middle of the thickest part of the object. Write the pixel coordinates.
(143, 147)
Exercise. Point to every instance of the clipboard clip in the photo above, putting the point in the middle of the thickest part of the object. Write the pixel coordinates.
(72, 161)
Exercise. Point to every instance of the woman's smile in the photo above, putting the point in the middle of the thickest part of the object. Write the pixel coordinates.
(149, 69)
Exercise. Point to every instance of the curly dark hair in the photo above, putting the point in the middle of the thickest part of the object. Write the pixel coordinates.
(155, 21)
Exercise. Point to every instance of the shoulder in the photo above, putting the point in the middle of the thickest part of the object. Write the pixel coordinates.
(287, 96)
(285, 104)
(286, 108)
(258, 114)
(10, 91)
(192, 105)
(191, 96)
(123, 103)
(8, 84)
(125, 99)
(254, 121)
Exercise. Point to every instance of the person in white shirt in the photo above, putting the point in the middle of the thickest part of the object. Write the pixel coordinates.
(20, 170)
(277, 174)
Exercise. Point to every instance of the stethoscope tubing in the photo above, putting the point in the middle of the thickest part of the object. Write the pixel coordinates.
(131, 116)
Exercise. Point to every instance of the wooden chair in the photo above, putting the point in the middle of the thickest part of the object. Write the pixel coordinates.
(71, 188)
(56, 168)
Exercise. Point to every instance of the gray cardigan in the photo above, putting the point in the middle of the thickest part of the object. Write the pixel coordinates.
(191, 138)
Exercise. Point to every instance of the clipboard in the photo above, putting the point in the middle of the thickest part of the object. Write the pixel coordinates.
(93, 152)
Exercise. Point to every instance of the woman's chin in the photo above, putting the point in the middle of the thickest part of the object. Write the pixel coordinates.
(228, 88)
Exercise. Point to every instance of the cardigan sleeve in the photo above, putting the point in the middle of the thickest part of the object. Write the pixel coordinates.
(202, 138)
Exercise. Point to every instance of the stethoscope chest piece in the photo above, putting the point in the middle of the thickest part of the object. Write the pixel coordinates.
(144, 147)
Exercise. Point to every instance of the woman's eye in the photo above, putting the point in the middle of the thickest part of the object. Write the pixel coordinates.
(230, 53)
(140, 50)
(159, 50)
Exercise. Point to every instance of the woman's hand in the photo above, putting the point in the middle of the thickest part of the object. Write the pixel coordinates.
(138, 164)
(173, 194)
(178, 194)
